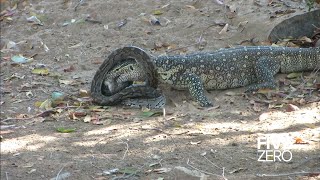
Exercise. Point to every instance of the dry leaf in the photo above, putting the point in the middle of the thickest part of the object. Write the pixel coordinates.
(87, 119)
(256, 107)
(40, 71)
(195, 143)
(291, 107)
(69, 69)
(298, 140)
(191, 7)
(162, 170)
(224, 30)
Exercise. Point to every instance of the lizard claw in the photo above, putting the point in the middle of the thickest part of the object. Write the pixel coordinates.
(206, 104)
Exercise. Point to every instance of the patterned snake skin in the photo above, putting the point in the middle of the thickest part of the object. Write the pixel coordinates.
(101, 93)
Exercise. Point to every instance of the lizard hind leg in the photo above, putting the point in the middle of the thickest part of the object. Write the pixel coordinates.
(196, 89)
(265, 69)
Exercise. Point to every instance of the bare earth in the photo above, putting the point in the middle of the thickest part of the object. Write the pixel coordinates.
(188, 142)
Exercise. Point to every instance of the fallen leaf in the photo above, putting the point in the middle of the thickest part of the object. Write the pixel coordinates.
(298, 140)
(195, 143)
(65, 130)
(274, 106)
(256, 107)
(55, 96)
(230, 93)
(265, 91)
(219, 2)
(47, 104)
(69, 69)
(69, 82)
(237, 170)
(40, 71)
(224, 30)
(98, 108)
(157, 12)
(151, 113)
(20, 59)
(111, 171)
(122, 23)
(291, 107)
(83, 93)
(293, 75)
(212, 108)
(34, 20)
(154, 21)
(203, 154)
(87, 119)
(162, 170)
(154, 164)
(191, 7)
(32, 171)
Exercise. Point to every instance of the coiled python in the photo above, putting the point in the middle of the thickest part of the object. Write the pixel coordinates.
(113, 81)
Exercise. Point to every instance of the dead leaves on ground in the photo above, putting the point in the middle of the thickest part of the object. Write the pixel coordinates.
(294, 91)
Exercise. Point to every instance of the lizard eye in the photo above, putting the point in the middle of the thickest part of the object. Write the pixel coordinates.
(131, 68)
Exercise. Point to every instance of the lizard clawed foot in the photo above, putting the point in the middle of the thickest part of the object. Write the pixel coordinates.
(206, 104)
(256, 87)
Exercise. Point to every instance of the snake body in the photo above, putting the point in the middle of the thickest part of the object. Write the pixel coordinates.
(101, 93)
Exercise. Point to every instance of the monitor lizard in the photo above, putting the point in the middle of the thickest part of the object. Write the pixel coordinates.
(251, 66)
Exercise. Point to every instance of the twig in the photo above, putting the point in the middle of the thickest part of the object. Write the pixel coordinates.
(223, 172)
(205, 172)
(79, 3)
(125, 153)
(40, 114)
(93, 21)
(164, 113)
(212, 162)
(7, 177)
(288, 174)
(57, 177)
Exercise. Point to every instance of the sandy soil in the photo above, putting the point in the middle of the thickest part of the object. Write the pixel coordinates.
(122, 143)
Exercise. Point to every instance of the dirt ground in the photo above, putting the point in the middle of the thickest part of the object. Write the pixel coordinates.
(187, 142)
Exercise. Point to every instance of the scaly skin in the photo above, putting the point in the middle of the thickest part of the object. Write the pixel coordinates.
(122, 76)
(234, 67)
(99, 91)
(231, 68)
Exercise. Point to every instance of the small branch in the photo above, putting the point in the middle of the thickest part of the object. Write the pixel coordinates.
(288, 174)
(212, 163)
(125, 153)
(93, 21)
(205, 172)
(40, 114)
(57, 177)
(79, 3)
